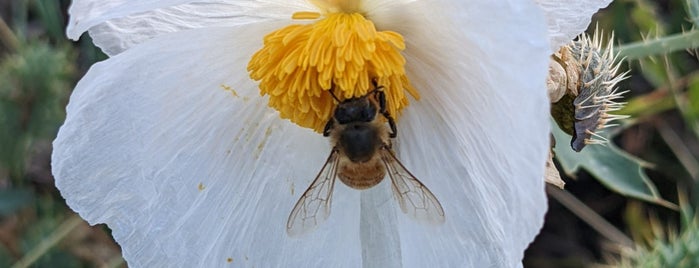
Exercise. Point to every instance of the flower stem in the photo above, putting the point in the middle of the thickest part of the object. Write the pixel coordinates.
(662, 45)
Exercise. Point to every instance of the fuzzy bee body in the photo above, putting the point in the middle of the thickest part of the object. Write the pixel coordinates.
(360, 141)
(361, 158)
(362, 175)
(357, 144)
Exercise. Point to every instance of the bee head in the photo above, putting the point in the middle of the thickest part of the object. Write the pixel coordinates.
(355, 110)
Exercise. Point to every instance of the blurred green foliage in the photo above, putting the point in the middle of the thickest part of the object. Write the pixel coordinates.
(646, 26)
(666, 65)
(11, 200)
(662, 245)
(658, 42)
(38, 69)
(34, 86)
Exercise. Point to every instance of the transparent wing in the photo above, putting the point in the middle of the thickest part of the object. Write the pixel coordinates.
(314, 205)
(414, 198)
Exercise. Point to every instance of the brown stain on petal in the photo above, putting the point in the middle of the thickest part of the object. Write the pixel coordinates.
(201, 187)
(291, 184)
(230, 89)
(229, 260)
(261, 145)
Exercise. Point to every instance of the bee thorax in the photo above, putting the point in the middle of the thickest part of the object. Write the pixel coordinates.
(359, 142)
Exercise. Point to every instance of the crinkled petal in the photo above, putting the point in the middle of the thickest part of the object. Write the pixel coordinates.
(479, 135)
(171, 145)
(87, 13)
(566, 19)
(117, 27)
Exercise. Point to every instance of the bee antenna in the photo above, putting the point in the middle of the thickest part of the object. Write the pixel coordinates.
(333, 94)
(375, 82)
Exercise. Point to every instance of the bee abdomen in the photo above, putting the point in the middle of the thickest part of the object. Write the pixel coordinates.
(362, 175)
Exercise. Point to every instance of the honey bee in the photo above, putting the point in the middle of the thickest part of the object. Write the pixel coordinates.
(361, 157)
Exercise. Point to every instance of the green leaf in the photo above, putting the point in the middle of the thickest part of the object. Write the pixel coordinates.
(614, 168)
(649, 104)
(34, 85)
(692, 7)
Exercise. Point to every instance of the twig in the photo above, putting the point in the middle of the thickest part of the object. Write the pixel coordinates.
(589, 216)
(7, 37)
(61, 232)
(680, 149)
(115, 262)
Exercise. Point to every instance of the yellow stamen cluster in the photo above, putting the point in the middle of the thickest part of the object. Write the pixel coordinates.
(342, 52)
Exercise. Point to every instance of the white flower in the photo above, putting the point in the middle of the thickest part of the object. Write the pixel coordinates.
(170, 143)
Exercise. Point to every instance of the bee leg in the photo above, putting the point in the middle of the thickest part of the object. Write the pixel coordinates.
(392, 124)
(328, 127)
(381, 97)
(387, 146)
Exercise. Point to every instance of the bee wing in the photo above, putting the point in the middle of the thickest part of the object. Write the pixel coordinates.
(314, 205)
(414, 198)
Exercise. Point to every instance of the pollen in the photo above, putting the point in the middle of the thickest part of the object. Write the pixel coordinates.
(301, 66)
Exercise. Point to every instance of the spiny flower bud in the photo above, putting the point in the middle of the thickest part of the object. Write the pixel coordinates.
(581, 86)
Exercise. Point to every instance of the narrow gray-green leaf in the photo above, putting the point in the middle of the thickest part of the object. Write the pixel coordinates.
(692, 7)
(614, 168)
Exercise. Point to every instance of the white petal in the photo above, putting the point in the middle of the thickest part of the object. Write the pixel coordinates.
(87, 13)
(568, 18)
(476, 139)
(479, 136)
(115, 30)
(188, 174)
